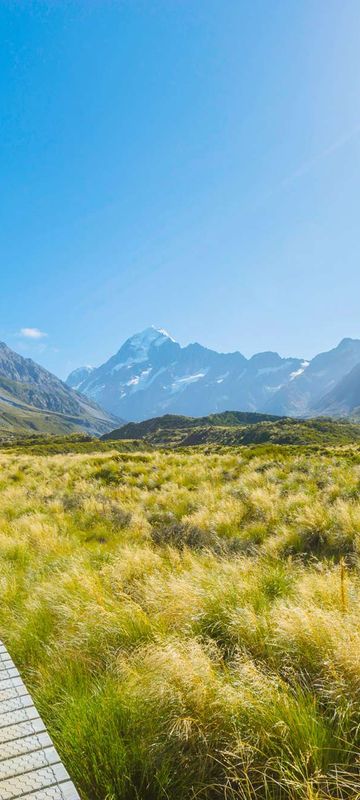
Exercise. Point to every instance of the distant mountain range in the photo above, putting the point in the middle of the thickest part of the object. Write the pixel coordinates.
(32, 399)
(152, 375)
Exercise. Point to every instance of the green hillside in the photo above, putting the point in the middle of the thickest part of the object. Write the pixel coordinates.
(140, 430)
(236, 428)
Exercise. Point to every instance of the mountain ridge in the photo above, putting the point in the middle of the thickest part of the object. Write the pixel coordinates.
(151, 374)
(31, 398)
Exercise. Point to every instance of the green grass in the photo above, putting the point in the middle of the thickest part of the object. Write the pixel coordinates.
(43, 444)
(188, 622)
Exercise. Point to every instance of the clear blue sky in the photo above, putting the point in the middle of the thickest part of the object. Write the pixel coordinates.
(193, 164)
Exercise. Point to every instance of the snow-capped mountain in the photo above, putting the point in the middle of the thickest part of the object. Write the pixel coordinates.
(304, 395)
(152, 374)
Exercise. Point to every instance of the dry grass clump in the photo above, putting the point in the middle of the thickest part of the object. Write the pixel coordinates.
(188, 623)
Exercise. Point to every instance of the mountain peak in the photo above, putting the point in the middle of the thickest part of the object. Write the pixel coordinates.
(138, 346)
(347, 343)
(164, 333)
(150, 336)
(152, 374)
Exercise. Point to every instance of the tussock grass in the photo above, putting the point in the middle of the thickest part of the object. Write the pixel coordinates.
(189, 624)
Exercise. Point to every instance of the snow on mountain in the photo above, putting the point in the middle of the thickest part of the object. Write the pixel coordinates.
(152, 374)
(300, 371)
(302, 395)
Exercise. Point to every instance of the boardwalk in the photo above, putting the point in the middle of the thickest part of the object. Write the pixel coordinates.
(30, 767)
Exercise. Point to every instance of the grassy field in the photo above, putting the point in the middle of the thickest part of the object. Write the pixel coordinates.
(188, 622)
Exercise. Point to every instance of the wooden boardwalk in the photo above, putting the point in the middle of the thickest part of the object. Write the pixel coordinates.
(30, 767)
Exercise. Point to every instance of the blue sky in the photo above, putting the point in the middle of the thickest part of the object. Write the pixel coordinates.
(193, 164)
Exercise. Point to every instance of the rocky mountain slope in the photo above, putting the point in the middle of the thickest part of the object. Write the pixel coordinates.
(31, 398)
(152, 375)
(344, 399)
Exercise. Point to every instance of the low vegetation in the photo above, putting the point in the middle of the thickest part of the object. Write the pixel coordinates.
(236, 428)
(188, 622)
(46, 444)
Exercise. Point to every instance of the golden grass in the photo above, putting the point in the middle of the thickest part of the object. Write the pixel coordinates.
(189, 624)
